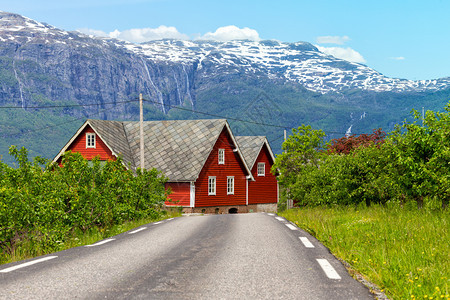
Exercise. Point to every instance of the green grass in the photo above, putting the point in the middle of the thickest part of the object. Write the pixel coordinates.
(406, 252)
(29, 250)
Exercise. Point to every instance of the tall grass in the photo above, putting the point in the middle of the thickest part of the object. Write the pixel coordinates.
(405, 251)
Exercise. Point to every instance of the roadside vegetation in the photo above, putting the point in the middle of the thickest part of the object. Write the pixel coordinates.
(46, 208)
(404, 251)
(379, 202)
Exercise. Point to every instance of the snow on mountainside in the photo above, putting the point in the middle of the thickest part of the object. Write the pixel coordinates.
(299, 62)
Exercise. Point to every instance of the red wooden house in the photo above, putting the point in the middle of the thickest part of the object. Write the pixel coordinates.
(263, 191)
(206, 169)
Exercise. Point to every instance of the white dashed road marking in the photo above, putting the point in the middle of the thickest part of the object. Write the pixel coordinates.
(328, 269)
(27, 264)
(100, 243)
(270, 214)
(306, 242)
(291, 227)
(137, 230)
(279, 218)
(157, 223)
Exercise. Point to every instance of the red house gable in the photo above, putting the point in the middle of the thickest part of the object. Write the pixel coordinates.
(88, 149)
(233, 168)
(99, 149)
(265, 187)
(259, 158)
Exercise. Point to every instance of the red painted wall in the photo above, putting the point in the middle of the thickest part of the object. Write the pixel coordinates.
(232, 167)
(79, 145)
(264, 189)
(180, 193)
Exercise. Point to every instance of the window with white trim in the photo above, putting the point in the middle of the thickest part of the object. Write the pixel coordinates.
(230, 185)
(90, 140)
(261, 169)
(221, 156)
(212, 185)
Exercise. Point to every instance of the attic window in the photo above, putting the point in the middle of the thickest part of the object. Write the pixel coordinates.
(261, 169)
(90, 140)
(221, 156)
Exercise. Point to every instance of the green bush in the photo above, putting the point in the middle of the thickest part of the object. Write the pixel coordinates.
(43, 204)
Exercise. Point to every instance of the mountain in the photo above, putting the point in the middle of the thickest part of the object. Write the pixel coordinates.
(266, 82)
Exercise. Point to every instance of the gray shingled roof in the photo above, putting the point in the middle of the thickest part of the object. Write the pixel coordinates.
(177, 148)
(250, 147)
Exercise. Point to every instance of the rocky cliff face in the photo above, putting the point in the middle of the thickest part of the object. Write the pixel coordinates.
(40, 63)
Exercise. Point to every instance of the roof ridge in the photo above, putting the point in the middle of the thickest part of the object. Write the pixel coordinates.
(128, 144)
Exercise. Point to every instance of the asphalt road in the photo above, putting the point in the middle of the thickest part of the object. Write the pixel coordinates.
(244, 256)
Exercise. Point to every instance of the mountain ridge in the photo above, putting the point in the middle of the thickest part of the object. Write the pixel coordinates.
(300, 61)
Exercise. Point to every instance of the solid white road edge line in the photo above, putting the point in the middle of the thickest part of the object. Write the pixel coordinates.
(279, 218)
(100, 243)
(291, 227)
(306, 242)
(137, 230)
(27, 264)
(328, 269)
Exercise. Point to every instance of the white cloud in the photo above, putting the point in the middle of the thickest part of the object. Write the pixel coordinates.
(398, 58)
(231, 32)
(140, 35)
(95, 32)
(343, 53)
(338, 40)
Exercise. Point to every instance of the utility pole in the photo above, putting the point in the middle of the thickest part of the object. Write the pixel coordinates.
(141, 130)
(423, 114)
(289, 204)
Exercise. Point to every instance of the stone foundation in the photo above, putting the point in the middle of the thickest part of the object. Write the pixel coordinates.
(240, 209)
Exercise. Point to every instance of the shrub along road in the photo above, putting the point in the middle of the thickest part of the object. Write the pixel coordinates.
(245, 256)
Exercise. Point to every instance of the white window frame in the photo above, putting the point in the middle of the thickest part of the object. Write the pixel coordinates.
(261, 169)
(211, 185)
(230, 185)
(221, 156)
(89, 136)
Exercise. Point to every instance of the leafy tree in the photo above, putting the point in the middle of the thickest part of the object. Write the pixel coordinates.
(421, 160)
(300, 151)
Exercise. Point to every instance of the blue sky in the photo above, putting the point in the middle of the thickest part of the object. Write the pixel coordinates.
(399, 38)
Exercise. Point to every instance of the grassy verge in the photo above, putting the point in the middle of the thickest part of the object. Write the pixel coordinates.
(79, 238)
(406, 252)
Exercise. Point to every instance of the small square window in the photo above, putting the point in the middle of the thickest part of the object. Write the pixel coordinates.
(230, 185)
(261, 169)
(212, 185)
(221, 156)
(90, 140)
